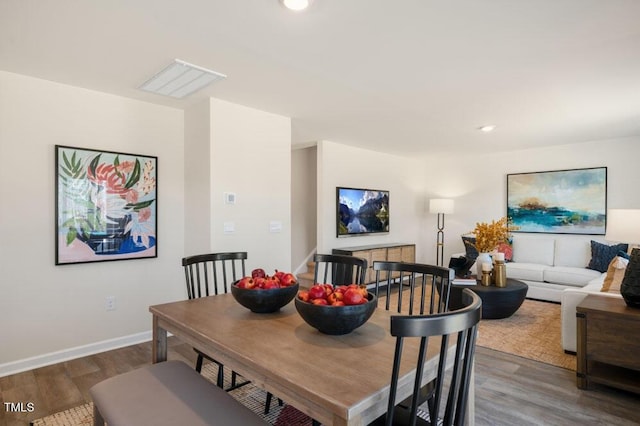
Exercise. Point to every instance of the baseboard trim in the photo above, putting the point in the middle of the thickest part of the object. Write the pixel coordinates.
(50, 358)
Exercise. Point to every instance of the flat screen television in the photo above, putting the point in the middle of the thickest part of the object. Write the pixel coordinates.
(361, 211)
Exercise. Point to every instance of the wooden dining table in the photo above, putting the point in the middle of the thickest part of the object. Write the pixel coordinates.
(337, 380)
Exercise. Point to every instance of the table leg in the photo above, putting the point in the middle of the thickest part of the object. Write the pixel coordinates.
(159, 344)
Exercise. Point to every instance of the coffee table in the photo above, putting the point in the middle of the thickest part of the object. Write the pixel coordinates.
(497, 302)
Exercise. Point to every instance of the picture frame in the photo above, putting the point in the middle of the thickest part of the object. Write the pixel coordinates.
(105, 204)
(361, 211)
(570, 201)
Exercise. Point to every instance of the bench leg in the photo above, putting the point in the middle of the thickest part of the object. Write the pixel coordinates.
(97, 417)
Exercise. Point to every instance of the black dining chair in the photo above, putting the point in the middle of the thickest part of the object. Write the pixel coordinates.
(212, 274)
(451, 391)
(338, 269)
(416, 289)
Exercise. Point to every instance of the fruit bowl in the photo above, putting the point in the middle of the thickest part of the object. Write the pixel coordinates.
(264, 301)
(336, 320)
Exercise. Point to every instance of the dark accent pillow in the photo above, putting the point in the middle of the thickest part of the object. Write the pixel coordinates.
(470, 248)
(603, 254)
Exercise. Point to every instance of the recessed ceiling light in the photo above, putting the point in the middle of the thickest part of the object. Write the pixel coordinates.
(180, 79)
(488, 128)
(296, 5)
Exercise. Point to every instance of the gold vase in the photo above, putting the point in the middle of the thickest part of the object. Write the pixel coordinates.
(500, 274)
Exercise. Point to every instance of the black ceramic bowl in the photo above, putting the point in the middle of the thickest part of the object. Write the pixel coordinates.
(336, 320)
(264, 301)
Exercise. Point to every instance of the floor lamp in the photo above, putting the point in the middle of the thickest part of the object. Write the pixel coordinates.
(440, 206)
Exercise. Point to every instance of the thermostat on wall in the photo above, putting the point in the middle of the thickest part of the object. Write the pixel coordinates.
(229, 197)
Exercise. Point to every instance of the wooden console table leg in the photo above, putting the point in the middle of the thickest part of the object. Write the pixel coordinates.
(581, 355)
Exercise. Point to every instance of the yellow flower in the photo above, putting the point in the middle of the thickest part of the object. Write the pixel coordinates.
(490, 235)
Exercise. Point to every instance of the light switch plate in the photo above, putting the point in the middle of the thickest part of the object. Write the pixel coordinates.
(275, 226)
(229, 227)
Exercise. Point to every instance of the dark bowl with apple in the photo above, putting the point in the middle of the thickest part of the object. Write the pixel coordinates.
(336, 320)
(264, 301)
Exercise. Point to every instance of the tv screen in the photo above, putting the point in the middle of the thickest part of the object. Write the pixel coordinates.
(361, 211)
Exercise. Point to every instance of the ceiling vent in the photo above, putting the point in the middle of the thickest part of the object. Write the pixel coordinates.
(180, 79)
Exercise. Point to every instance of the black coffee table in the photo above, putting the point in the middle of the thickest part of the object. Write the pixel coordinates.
(497, 302)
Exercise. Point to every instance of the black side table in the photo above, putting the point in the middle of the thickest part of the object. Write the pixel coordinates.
(497, 302)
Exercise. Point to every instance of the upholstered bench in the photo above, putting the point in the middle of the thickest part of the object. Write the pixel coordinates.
(168, 393)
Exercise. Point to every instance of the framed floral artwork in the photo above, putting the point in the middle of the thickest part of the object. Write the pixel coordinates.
(106, 205)
(559, 201)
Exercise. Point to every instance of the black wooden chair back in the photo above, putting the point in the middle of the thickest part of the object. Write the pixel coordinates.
(338, 269)
(451, 391)
(430, 284)
(213, 273)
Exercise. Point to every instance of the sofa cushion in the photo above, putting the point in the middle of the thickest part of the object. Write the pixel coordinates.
(603, 254)
(570, 276)
(574, 252)
(525, 271)
(533, 250)
(615, 274)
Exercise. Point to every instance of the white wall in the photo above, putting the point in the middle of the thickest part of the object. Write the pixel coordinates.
(304, 206)
(477, 183)
(197, 178)
(46, 308)
(341, 165)
(251, 157)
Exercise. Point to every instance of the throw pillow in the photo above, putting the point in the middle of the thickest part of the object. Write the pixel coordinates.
(603, 254)
(469, 247)
(615, 274)
(507, 250)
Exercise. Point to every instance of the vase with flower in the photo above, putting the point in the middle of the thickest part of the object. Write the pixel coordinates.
(489, 236)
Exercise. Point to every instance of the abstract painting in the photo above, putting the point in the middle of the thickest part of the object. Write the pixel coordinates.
(106, 205)
(558, 202)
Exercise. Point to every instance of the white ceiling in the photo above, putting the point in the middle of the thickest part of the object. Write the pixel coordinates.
(407, 76)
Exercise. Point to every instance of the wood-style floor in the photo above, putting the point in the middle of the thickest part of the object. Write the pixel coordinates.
(509, 390)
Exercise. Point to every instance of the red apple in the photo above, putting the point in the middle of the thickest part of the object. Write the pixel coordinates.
(279, 275)
(317, 292)
(341, 289)
(303, 295)
(319, 302)
(335, 297)
(258, 273)
(260, 281)
(271, 282)
(353, 297)
(287, 279)
(328, 288)
(246, 282)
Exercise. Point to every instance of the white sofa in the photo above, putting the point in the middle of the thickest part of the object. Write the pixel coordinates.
(550, 264)
(571, 298)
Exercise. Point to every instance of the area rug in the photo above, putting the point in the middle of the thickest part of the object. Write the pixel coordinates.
(533, 332)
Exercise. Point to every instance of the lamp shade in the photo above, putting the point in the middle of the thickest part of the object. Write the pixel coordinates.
(441, 205)
(623, 225)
